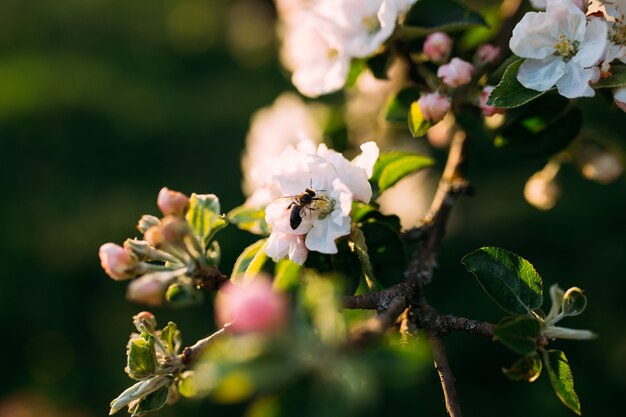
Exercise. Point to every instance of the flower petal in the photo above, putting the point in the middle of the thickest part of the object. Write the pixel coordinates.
(575, 81)
(322, 236)
(534, 36)
(594, 45)
(541, 74)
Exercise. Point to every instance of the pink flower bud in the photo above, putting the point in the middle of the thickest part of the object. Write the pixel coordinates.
(146, 290)
(619, 95)
(456, 73)
(117, 262)
(487, 54)
(434, 106)
(486, 109)
(437, 46)
(172, 202)
(252, 307)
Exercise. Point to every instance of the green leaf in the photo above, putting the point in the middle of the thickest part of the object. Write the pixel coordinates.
(518, 333)
(151, 402)
(418, 125)
(138, 390)
(542, 128)
(527, 368)
(510, 280)
(360, 248)
(509, 92)
(287, 275)
(360, 210)
(427, 16)
(249, 262)
(618, 79)
(180, 295)
(391, 167)
(170, 336)
(399, 104)
(142, 362)
(574, 302)
(561, 379)
(204, 216)
(250, 219)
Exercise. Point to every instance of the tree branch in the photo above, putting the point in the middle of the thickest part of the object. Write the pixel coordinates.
(445, 375)
(191, 353)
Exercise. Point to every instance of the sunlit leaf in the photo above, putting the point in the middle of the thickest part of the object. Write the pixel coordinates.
(249, 262)
(251, 219)
(562, 379)
(527, 368)
(205, 216)
(142, 362)
(509, 92)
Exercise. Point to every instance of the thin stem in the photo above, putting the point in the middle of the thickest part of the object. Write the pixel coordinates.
(191, 353)
(445, 375)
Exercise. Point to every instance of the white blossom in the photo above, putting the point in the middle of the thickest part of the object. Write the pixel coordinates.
(615, 11)
(561, 48)
(272, 129)
(336, 183)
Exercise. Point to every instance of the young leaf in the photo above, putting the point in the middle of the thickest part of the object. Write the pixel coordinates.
(574, 302)
(561, 379)
(140, 389)
(204, 216)
(617, 79)
(427, 16)
(152, 402)
(250, 262)
(250, 219)
(142, 362)
(527, 368)
(510, 280)
(170, 336)
(418, 125)
(518, 333)
(391, 167)
(398, 105)
(509, 92)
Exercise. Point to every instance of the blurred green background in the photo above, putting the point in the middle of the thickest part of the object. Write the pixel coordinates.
(103, 102)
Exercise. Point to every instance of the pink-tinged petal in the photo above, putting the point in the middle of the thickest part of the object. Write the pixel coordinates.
(541, 74)
(277, 246)
(594, 45)
(569, 20)
(575, 82)
(534, 36)
(437, 46)
(298, 251)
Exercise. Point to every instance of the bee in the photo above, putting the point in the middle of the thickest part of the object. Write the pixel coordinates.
(301, 202)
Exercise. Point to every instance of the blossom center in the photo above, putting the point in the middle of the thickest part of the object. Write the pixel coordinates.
(371, 23)
(566, 48)
(618, 35)
(324, 206)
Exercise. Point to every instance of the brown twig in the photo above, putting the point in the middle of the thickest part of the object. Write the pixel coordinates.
(445, 375)
(191, 353)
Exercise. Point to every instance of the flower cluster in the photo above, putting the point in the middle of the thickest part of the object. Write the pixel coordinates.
(568, 49)
(313, 190)
(322, 37)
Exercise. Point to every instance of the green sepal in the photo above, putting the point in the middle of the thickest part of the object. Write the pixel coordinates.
(509, 92)
(518, 333)
(561, 379)
(141, 357)
(398, 105)
(427, 16)
(250, 219)
(170, 336)
(249, 262)
(510, 280)
(418, 125)
(391, 167)
(180, 295)
(204, 216)
(152, 402)
(527, 368)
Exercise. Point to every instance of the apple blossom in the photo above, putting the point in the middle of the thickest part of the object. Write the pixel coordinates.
(251, 307)
(117, 262)
(438, 46)
(616, 49)
(456, 73)
(336, 183)
(434, 106)
(561, 48)
(172, 202)
(486, 109)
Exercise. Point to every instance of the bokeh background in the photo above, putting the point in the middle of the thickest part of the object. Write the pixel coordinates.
(103, 102)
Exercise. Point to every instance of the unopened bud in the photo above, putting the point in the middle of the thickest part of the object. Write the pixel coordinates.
(146, 222)
(484, 107)
(487, 54)
(174, 229)
(434, 106)
(252, 307)
(542, 190)
(140, 248)
(437, 47)
(145, 318)
(146, 290)
(117, 262)
(154, 236)
(172, 202)
(456, 73)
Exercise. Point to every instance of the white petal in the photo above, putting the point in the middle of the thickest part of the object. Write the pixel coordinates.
(367, 158)
(541, 74)
(575, 82)
(277, 246)
(569, 20)
(298, 251)
(322, 236)
(534, 36)
(594, 45)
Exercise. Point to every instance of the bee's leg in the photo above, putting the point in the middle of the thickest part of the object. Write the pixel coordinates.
(290, 205)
